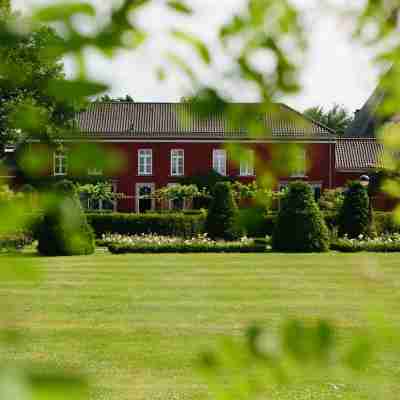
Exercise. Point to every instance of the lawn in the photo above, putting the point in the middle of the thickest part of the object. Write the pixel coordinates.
(135, 323)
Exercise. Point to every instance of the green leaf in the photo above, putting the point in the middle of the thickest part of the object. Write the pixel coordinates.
(179, 6)
(181, 64)
(75, 90)
(63, 12)
(195, 42)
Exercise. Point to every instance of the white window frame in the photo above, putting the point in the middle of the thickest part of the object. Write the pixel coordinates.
(220, 161)
(176, 156)
(60, 163)
(247, 164)
(147, 156)
(301, 160)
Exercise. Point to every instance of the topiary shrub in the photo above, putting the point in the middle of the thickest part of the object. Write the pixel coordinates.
(64, 230)
(222, 218)
(300, 226)
(355, 217)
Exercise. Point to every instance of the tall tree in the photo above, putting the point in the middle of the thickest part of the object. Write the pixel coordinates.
(337, 118)
(29, 67)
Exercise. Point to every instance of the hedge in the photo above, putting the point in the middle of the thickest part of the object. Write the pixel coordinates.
(345, 246)
(182, 225)
(223, 247)
(259, 224)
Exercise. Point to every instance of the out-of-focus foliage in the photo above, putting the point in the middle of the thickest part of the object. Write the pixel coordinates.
(269, 28)
(336, 118)
(64, 230)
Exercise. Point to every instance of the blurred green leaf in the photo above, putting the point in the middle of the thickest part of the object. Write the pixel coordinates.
(64, 11)
(195, 42)
(75, 90)
(180, 6)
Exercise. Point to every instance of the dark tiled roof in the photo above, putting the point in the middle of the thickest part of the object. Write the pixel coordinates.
(178, 120)
(358, 154)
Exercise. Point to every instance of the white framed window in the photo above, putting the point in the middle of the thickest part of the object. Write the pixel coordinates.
(247, 163)
(177, 162)
(219, 161)
(60, 161)
(145, 200)
(300, 163)
(145, 162)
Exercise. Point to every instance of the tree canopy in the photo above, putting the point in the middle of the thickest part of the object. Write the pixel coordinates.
(336, 118)
(106, 98)
(26, 105)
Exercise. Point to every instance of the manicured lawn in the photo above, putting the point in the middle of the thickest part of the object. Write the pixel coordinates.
(135, 324)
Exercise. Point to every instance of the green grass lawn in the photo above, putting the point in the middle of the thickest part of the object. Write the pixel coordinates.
(135, 324)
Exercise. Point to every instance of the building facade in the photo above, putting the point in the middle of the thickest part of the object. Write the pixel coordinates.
(158, 144)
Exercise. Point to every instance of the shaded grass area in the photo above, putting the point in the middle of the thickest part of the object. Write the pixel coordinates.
(136, 323)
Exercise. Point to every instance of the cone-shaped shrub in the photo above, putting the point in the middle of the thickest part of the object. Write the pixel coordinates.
(300, 226)
(355, 217)
(223, 216)
(64, 230)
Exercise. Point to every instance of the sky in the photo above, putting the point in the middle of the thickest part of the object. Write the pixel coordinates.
(337, 69)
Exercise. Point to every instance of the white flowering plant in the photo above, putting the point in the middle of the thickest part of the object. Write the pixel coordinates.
(152, 243)
(382, 243)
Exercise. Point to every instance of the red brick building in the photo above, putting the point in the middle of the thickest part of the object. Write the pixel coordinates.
(160, 145)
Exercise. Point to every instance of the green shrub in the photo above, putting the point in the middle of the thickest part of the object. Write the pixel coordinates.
(64, 230)
(300, 226)
(255, 222)
(384, 222)
(183, 225)
(354, 217)
(222, 220)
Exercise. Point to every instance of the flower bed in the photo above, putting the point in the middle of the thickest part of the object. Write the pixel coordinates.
(384, 243)
(119, 244)
(14, 242)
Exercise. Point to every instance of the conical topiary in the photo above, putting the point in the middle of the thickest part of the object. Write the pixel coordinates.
(300, 226)
(222, 218)
(355, 216)
(64, 230)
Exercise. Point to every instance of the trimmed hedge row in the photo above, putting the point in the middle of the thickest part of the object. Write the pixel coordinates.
(259, 224)
(181, 225)
(254, 221)
(223, 247)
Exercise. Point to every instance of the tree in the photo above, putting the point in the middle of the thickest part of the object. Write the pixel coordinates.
(64, 230)
(108, 99)
(223, 216)
(300, 226)
(337, 118)
(355, 217)
(26, 106)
